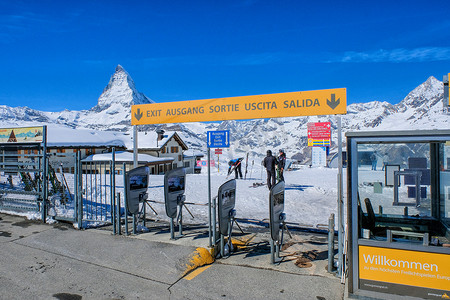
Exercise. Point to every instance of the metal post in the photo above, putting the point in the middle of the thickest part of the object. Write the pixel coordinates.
(126, 199)
(113, 185)
(44, 177)
(77, 191)
(214, 221)
(340, 202)
(180, 222)
(172, 233)
(209, 202)
(144, 209)
(118, 215)
(112, 199)
(222, 246)
(330, 243)
(135, 146)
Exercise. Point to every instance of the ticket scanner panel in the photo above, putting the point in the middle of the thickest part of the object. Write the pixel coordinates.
(174, 187)
(136, 188)
(277, 220)
(276, 208)
(226, 203)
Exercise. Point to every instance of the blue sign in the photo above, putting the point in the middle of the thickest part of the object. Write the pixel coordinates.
(218, 139)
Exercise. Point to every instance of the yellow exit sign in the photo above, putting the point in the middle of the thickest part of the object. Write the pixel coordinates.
(294, 104)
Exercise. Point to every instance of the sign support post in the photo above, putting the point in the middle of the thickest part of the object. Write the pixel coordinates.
(135, 146)
(340, 202)
(446, 93)
(215, 139)
(209, 201)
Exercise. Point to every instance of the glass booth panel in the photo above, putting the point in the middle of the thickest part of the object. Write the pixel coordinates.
(444, 177)
(394, 188)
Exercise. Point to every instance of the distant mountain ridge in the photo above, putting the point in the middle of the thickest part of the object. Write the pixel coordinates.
(421, 109)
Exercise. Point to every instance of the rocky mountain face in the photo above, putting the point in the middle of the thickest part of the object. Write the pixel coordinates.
(422, 108)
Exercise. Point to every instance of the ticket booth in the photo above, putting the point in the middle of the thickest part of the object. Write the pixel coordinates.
(399, 214)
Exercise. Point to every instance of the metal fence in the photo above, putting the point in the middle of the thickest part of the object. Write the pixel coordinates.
(98, 195)
(23, 180)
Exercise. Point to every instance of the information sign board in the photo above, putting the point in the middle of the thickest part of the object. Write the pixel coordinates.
(218, 139)
(319, 134)
(22, 135)
(404, 272)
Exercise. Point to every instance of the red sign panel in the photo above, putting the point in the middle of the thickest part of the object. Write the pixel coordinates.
(218, 151)
(319, 131)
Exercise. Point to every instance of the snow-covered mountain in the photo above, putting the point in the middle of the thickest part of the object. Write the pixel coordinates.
(421, 109)
(112, 112)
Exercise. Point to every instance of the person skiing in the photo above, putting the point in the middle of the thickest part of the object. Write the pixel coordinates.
(281, 163)
(269, 163)
(235, 164)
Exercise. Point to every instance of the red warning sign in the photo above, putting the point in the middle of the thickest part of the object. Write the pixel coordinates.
(319, 134)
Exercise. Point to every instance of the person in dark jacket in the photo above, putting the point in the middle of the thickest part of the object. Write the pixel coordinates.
(235, 164)
(269, 163)
(281, 163)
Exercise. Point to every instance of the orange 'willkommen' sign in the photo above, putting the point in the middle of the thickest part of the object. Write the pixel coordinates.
(411, 268)
(309, 103)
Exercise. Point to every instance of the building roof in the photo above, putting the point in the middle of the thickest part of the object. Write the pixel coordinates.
(58, 136)
(124, 156)
(193, 153)
(149, 140)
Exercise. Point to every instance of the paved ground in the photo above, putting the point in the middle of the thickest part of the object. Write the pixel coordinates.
(42, 261)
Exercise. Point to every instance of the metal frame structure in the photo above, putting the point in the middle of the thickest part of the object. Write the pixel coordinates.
(354, 240)
(33, 195)
(97, 201)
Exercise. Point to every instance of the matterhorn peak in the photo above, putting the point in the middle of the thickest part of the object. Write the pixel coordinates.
(120, 90)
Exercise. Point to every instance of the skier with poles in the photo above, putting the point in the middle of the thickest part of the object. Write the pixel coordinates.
(235, 164)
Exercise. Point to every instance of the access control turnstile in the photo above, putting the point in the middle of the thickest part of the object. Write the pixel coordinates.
(136, 185)
(226, 198)
(174, 187)
(277, 221)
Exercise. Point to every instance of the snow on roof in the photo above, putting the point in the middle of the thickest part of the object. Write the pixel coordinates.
(61, 136)
(124, 156)
(193, 153)
(58, 136)
(148, 140)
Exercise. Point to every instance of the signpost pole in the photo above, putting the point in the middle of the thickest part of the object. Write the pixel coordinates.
(340, 202)
(135, 146)
(209, 199)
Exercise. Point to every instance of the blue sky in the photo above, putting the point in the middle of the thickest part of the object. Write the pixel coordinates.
(58, 55)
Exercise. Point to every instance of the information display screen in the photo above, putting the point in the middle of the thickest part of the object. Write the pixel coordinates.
(138, 182)
(175, 184)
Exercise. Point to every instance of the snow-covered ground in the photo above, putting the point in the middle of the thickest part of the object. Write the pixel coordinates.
(310, 196)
